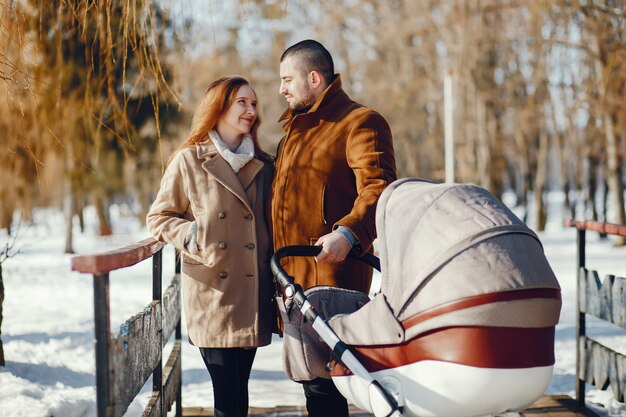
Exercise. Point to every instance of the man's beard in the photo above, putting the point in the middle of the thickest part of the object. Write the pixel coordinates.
(304, 104)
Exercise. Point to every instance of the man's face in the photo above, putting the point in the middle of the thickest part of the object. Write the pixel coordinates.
(294, 85)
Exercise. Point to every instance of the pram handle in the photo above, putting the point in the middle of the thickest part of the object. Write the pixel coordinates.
(309, 250)
(383, 402)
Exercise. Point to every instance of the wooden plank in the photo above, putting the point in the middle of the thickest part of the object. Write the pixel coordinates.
(171, 308)
(605, 300)
(547, 405)
(252, 411)
(172, 376)
(134, 354)
(603, 367)
(153, 408)
(101, 263)
(557, 406)
(606, 228)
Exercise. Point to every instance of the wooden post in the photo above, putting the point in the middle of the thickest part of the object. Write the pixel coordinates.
(102, 330)
(176, 261)
(580, 319)
(178, 336)
(157, 295)
(120, 374)
(179, 393)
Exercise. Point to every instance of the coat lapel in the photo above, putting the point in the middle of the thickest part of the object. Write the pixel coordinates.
(248, 172)
(217, 167)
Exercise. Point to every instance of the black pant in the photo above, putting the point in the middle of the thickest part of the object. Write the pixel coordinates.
(323, 399)
(230, 371)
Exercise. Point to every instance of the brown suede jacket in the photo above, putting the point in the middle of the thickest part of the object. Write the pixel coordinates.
(332, 165)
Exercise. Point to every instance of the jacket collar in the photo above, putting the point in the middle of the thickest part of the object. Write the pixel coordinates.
(205, 149)
(333, 91)
(215, 165)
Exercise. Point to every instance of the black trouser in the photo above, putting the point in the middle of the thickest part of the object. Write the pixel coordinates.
(323, 399)
(230, 371)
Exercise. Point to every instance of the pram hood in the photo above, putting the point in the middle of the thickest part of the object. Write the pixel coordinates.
(439, 243)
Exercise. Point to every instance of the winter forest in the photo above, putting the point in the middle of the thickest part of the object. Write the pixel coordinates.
(96, 95)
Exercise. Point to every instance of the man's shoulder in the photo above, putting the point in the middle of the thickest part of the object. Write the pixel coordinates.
(356, 109)
(362, 114)
(346, 111)
(363, 111)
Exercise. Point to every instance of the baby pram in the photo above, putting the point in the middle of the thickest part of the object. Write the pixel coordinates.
(464, 323)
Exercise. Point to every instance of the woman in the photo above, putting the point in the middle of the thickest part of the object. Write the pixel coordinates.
(211, 206)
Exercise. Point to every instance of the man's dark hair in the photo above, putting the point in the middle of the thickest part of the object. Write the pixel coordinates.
(314, 57)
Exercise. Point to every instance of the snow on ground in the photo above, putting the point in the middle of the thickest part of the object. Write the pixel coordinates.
(48, 323)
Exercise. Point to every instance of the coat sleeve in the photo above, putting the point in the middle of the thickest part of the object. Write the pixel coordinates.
(369, 152)
(166, 219)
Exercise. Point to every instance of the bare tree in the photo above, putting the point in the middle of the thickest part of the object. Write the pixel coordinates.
(92, 67)
(538, 91)
(8, 250)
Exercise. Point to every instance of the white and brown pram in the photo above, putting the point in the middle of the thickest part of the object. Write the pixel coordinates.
(464, 322)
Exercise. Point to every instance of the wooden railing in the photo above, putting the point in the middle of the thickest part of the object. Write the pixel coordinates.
(597, 364)
(125, 361)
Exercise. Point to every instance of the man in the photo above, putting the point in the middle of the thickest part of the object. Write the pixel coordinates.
(332, 165)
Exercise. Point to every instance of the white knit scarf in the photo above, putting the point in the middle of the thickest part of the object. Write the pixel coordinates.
(242, 155)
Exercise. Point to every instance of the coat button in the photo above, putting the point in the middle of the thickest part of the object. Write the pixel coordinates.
(221, 214)
(222, 245)
(250, 245)
(248, 216)
(223, 274)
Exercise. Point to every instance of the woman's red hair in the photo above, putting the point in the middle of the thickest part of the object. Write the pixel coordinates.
(216, 100)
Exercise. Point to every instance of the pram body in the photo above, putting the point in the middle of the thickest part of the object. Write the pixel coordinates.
(464, 323)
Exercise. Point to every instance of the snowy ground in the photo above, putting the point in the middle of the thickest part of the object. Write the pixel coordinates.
(48, 323)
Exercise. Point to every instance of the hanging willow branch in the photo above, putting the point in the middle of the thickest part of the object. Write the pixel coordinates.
(41, 48)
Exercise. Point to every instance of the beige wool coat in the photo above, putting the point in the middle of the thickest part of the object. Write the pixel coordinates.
(226, 285)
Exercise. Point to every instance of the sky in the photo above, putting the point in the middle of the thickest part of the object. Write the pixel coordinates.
(48, 322)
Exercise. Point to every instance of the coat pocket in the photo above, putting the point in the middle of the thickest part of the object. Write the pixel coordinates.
(207, 275)
(312, 241)
(188, 260)
(323, 204)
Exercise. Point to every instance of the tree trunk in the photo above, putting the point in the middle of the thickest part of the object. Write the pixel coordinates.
(104, 219)
(483, 154)
(2, 362)
(614, 175)
(614, 168)
(497, 163)
(578, 175)
(567, 178)
(80, 212)
(592, 182)
(605, 198)
(7, 206)
(524, 172)
(68, 210)
(540, 182)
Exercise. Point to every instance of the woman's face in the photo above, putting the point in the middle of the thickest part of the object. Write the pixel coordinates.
(240, 116)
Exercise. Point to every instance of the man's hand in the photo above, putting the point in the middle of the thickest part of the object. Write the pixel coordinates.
(335, 248)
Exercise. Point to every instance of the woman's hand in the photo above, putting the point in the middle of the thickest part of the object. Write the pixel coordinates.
(191, 239)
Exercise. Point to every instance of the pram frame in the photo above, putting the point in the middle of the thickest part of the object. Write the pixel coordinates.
(382, 402)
